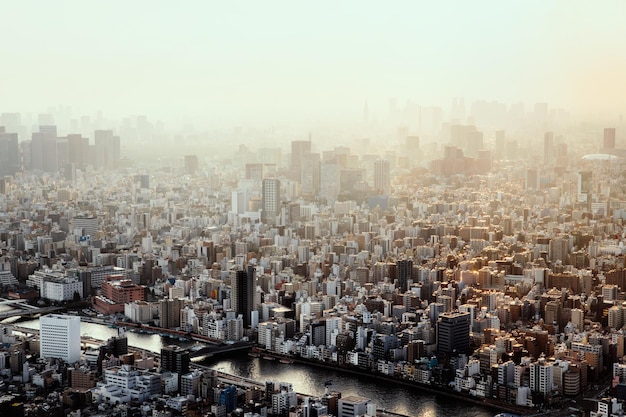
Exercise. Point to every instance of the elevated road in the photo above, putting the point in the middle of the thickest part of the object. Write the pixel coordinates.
(212, 350)
(27, 311)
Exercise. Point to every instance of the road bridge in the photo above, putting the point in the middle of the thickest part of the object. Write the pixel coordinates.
(27, 311)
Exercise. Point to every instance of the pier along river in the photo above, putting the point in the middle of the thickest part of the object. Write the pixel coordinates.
(306, 379)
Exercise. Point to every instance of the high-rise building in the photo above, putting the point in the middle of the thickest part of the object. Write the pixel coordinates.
(60, 337)
(404, 267)
(10, 161)
(50, 152)
(144, 181)
(608, 142)
(85, 225)
(169, 313)
(238, 201)
(175, 359)
(242, 283)
(299, 148)
(270, 200)
(254, 171)
(541, 376)
(107, 149)
(532, 179)
(453, 332)
(44, 149)
(78, 151)
(329, 186)
(548, 147)
(310, 175)
(500, 144)
(585, 184)
(382, 179)
(191, 164)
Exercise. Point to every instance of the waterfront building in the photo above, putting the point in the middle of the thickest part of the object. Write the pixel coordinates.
(169, 313)
(60, 337)
(59, 289)
(175, 359)
(352, 406)
(116, 292)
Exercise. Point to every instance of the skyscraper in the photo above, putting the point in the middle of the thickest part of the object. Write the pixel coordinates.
(299, 148)
(609, 138)
(191, 164)
(60, 337)
(270, 200)
(329, 186)
(242, 283)
(548, 147)
(9, 153)
(404, 267)
(382, 180)
(310, 175)
(107, 149)
(43, 149)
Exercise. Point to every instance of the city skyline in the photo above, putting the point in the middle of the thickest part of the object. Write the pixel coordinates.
(259, 64)
(425, 202)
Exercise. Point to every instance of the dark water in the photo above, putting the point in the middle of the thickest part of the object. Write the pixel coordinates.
(308, 379)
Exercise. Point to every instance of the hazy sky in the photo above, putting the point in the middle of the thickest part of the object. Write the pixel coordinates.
(245, 62)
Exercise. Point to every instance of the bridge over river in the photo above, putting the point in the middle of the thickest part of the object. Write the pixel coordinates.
(23, 309)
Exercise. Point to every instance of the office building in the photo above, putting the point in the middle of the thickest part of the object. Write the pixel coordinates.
(382, 179)
(175, 359)
(79, 151)
(60, 337)
(404, 268)
(453, 332)
(353, 406)
(60, 289)
(532, 179)
(270, 200)
(329, 186)
(299, 150)
(10, 161)
(541, 376)
(107, 149)
(242, 283)
(85, 226)
(608, 142)
(43, 150)
(310, 175)
(254, 171)
(191, 164)
(115, 293)
(548, 148)
(169, 313)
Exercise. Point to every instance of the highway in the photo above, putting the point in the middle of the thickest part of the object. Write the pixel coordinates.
(27, 311)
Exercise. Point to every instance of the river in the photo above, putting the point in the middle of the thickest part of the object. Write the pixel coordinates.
(308, 379)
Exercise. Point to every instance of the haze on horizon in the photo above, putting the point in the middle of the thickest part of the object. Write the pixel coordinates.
(247, 63)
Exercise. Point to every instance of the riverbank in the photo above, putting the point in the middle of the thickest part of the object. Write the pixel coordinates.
(486, 403)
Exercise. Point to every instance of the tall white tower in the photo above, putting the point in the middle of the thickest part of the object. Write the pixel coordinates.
(60, 337)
